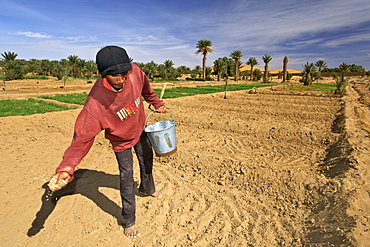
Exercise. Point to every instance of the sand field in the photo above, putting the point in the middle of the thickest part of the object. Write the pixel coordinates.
(263, 169)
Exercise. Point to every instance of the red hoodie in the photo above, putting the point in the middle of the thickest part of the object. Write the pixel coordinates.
(120, 114)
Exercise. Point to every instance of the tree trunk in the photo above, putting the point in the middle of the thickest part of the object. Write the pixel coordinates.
(236, 70)
(285, 67)
(266, 75)
(204, 66)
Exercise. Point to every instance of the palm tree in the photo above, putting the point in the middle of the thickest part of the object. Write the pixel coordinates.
(204, 47)
(58, 71)
(64, 62)
(197, 71)
(89, 69)
(150, 69)
(183, 70)
(167, 69)
(168, 64)
(266, 59)
(219, 66)
(32, 66)
(12, 70)
(257, 75)
(73, 63)
(308, 73)
(229, 68)
(344, 67)
(252, 61)
(8, 56)
(236, 55)
(340, 81)
(47, 67)
(80, 66)
(320, 65)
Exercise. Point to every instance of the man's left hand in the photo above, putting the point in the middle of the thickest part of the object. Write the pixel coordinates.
(163, 109)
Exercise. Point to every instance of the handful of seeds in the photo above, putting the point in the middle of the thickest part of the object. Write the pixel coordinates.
(56, 184)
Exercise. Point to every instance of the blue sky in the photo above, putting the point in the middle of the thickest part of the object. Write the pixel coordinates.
(335, 31)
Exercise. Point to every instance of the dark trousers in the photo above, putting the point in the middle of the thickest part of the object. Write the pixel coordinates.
(144, 153)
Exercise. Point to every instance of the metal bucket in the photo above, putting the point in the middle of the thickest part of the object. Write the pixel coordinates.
(162, 136)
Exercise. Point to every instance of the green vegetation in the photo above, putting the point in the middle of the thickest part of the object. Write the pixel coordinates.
(32, 106)
(28, 107)
(73, 66)
(351, 68)
(74, 98)
(340, 81)
(189, 91)
(178, 92)
(223, 67)
(308, 74)
(175, 92)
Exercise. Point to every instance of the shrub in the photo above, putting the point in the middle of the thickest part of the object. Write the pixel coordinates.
(13, 70)
(340, 83)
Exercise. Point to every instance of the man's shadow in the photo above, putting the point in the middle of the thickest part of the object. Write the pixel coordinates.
(86, 182)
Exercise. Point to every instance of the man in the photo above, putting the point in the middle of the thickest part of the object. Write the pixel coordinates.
(114, 104)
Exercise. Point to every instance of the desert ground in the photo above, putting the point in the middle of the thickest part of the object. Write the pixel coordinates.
(269, 168)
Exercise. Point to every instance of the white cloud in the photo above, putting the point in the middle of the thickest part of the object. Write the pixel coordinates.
(176, 47)
(137, 39)
(365, 37)
(81, 38)
(33, 35)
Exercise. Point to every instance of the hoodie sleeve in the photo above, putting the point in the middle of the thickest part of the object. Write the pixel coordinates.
(149, 94)
(86, 128)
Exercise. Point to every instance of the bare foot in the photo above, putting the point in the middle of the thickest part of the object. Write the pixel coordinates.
(156, 194)
(132, 232)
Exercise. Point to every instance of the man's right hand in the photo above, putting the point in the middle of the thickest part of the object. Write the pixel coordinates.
(58, 181)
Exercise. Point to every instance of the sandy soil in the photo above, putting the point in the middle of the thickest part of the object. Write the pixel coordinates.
(264, 169)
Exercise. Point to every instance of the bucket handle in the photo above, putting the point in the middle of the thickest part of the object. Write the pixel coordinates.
(153, 111)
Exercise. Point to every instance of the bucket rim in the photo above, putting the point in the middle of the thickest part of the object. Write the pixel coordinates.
(153, 131)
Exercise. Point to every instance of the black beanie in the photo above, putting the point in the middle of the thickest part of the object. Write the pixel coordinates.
(113, 60)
